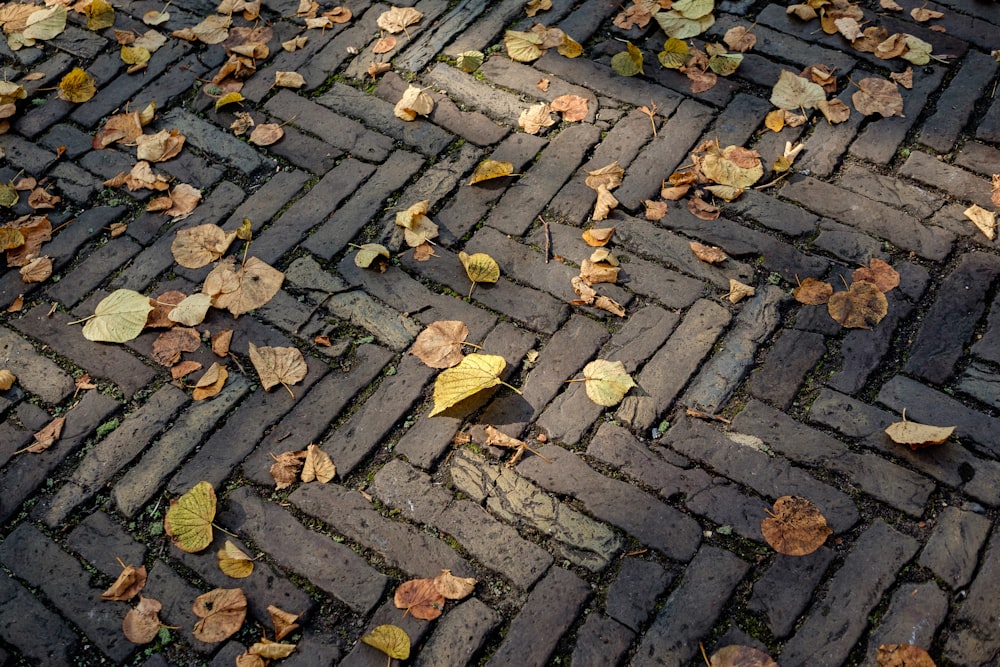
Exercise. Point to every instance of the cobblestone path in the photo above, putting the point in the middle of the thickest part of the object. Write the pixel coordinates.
(640, 537)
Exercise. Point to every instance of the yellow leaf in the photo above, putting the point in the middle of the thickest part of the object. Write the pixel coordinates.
(628, 62)
(675, 53)
(606, 382)
(189, 519)
(44, 24)
(233, 562)
(984, 220)
(488, 169)
(918, 435)
(469, 61)
(119, 317)
(569, 47)
(739, 291)
(368, 253)
(271, 650)
(794, 92)
(100, 15)
(391, 640)
(414, 102)
(77, 86)
(396, 19)
(472, 375)
(6, 379)
(228, 98)
(535, 6)
(211, 383)
(523, 46)
(480, 267)
(535, 117)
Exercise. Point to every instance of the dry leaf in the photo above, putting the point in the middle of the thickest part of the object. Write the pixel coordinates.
(918, 435)
(318, 466)
(372, 255)
(795, 527)
(283, 622)
(37, 270)
(794, 92)
(40, 199)
(606, 382)
(835, 111)
(278, 365)
(480, 267)
(536, 117)
(159, 147)
(391, 640)
(211, 383)
(241, 290)
(523, 46)
(701, 209)
(995, 190)
(7, 379)
(127, 585)
(738, 291)
(198, 246)
(862, 306)
(890, 5)
(142, 623)
(118, 318)
(605, 203)
(879, 273)
(923, 14)
(440, 344)
(905, 79)
(420, 598)
(384, 45)
(221, 611)
(169, 345)
(597, 237)
(266, 134)
(191, 311)
(572, 107)
(878, 96)
(415, 101)
(269, 650)
(740, 656)
(489, 169)
(189, 518)
(452, 587)
(734, 166)
(397, 19)
(77, 86)
(813, 292)
(374, 69)
(985, 221)
(655, 210)
(289, 80)
(740, 39)
(221, 342)
(903, 655)
(598, 272)
(472, 375)
(286, 467)
(184, 368)
(628, 62)
(709, 254)
(233, 562)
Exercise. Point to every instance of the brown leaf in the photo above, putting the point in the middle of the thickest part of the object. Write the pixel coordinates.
(605, 203)
(40, 199)
(266, 134)
(289, 80)
(655, 210)
(739, 291)
(890, 5)
(741, 656)
(396, 19)
(142, 623)
(420, 598)
(597, 237)
(701, 80)
(35, 230)
(221, 611)
(903, 655)
(16, 305)
(283, 622)
(46, 437)
(241, 290)
(221, 342)
(184, 368)
(835, 111)
(918, 435)
(701, 209)
(374, 69)
(878, 96)
(210, 383)
(796, 527)
(159, 147)
(821, 75)
(452, 587)
(184, 199)
(536, 117)
(879, 273)
(923, 14)
(985, 221)
(318, 466)
(543, 85)
(278, 365)
(862, 306)
(7, 379)
(609, 176)
(384, 44)
(37, 270)
(598, 272)
(905, 79)
(162, 305)
(740, 39)
(286, 467)
(169, 345)
(813, 292)
(440, 344)
(609, 304)
(421, 253)
(269, 650)
(709, 254)
(572, 107)
(127, 586)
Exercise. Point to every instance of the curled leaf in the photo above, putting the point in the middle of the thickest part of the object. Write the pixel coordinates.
(918, 435)
(490, 169)
(233, 562)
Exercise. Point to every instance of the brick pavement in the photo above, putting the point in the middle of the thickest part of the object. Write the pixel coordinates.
(639, 537)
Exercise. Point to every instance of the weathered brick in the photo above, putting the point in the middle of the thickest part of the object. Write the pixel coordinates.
(576, 537)
(35, 374)
(869, 216)
(73, 182)
(550, 610)
(421, 50)
(978, 382)
(787, 587)
(329, 565)
(77, 283)
(523, 79)
(101, 541)
(796, 353)
(977, 643)
(494, 544)
(32, 556)
(954, 109)
(988, 347)
(217, 142)
(831, 629)
(878, 142)
(640, 514)
(169, 450)
(954, 544)
(957, 182)
(633, 592)
(895, 192)
(26, 155)
(915, 613)
(23, 616)
(989, 125)
(600, 641)
(466, 89)
(429, 9)
(772, 213)
(481, 34)
(770, 477)
(691, 610)
(363, 655)
(107, 457)
(458, 635)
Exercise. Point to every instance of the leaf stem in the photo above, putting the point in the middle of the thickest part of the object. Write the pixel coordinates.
(512, 387)
(81, 320)
(215, 525)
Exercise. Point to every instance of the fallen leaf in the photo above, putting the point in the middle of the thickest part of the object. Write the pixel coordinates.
(739, 291)
(241, 290)
(184, 199)
(472, 375)
(77, 86)
(535, 6)
(283, 622)
(597, 237)
(214, 29)
(222, 612)
(535, 117)
(286, 467)
(905, 79)
(572, 107)
(339, 14)
(740, 656)
(420, 598)
(266, 134)
(835, 111)
(862, 306)
(46, 437)
(452, 587)
(675, 53)
(184, 368)
(813, 292)
(740, 39)
(37, 270)
(278, 365)
(142, 623)
(192, 310)
(210, 383)
(523, 46)
(384, 45)
(34, 231)
(7, 379)
(923, 14)
(795, 527)
(119, 317)
(890, 5)
(879, 273)
(709, 254)
(169, 345)
(318, 466)
(439, 345)
(918, 435)
(153, 17)
(391, 640)
(628, 62)
(702, 210)
(489, 169)
(269, 650)
(876, 95)
(469, 61)
(985, 221)
(397, 19)
(995, 190)
(127, 585)
(480, 267)
(655, 210)
(233, 562)
(734, 166)
(606, 382)
(415, 101)
(289, 79)
(159, 147)
(41, 199)
(903, 655)
(221, 342)
(198, 246)
(189, 518)
(794, 92)
(372, 253)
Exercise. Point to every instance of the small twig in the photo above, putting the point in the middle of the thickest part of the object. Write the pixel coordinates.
(772, 183)
(691, 412)
(548, 240)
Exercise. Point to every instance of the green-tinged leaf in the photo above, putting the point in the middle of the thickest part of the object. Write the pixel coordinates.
(569, 47)
(189, 519)
(391, 640)
(794, 92)
(228, 98)
(693, 9)
(45, 23)
(674, 54)
(523, 46)
(119, 317)
(629, 62)
(918, 51)
(680, 27)
(469, 61)
(725, 64)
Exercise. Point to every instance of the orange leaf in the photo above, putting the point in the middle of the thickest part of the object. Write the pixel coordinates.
(796, 527)
(420, 598)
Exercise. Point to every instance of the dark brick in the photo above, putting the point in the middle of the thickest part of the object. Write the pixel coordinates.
(691, 610)
(633, 592)
(430, 9)
(870, 216)
(988, 347)
(337, 230)
(796, 352)
(306, 152)
(956, 182)
(467, 90)
(101, 542)
(35, 558)
(176, 595)
(833, 626)
(75, 284)
(481, 34)
(954, 544)
(785, 47)
(420, 51)
(663, 154)
(981, 384)
(74, 142)
(363, 655)
(989, 125)
(265, 202)
(954, 108)
(915, 613)
(176, 81)
(640, 514)
(26, 155)
(331, 566)
(976, 643)
(22, 616)
(977, 157)
(736, 123)
(787, 587)
(772, 213)
(550, 610)
(770, 477)
(949, 324)
(828, 143)
(217, 142)
(897, 193)
(458, 636)
(600, 641)
(35, 374)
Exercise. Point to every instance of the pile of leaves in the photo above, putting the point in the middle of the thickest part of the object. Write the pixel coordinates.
(863, 304)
